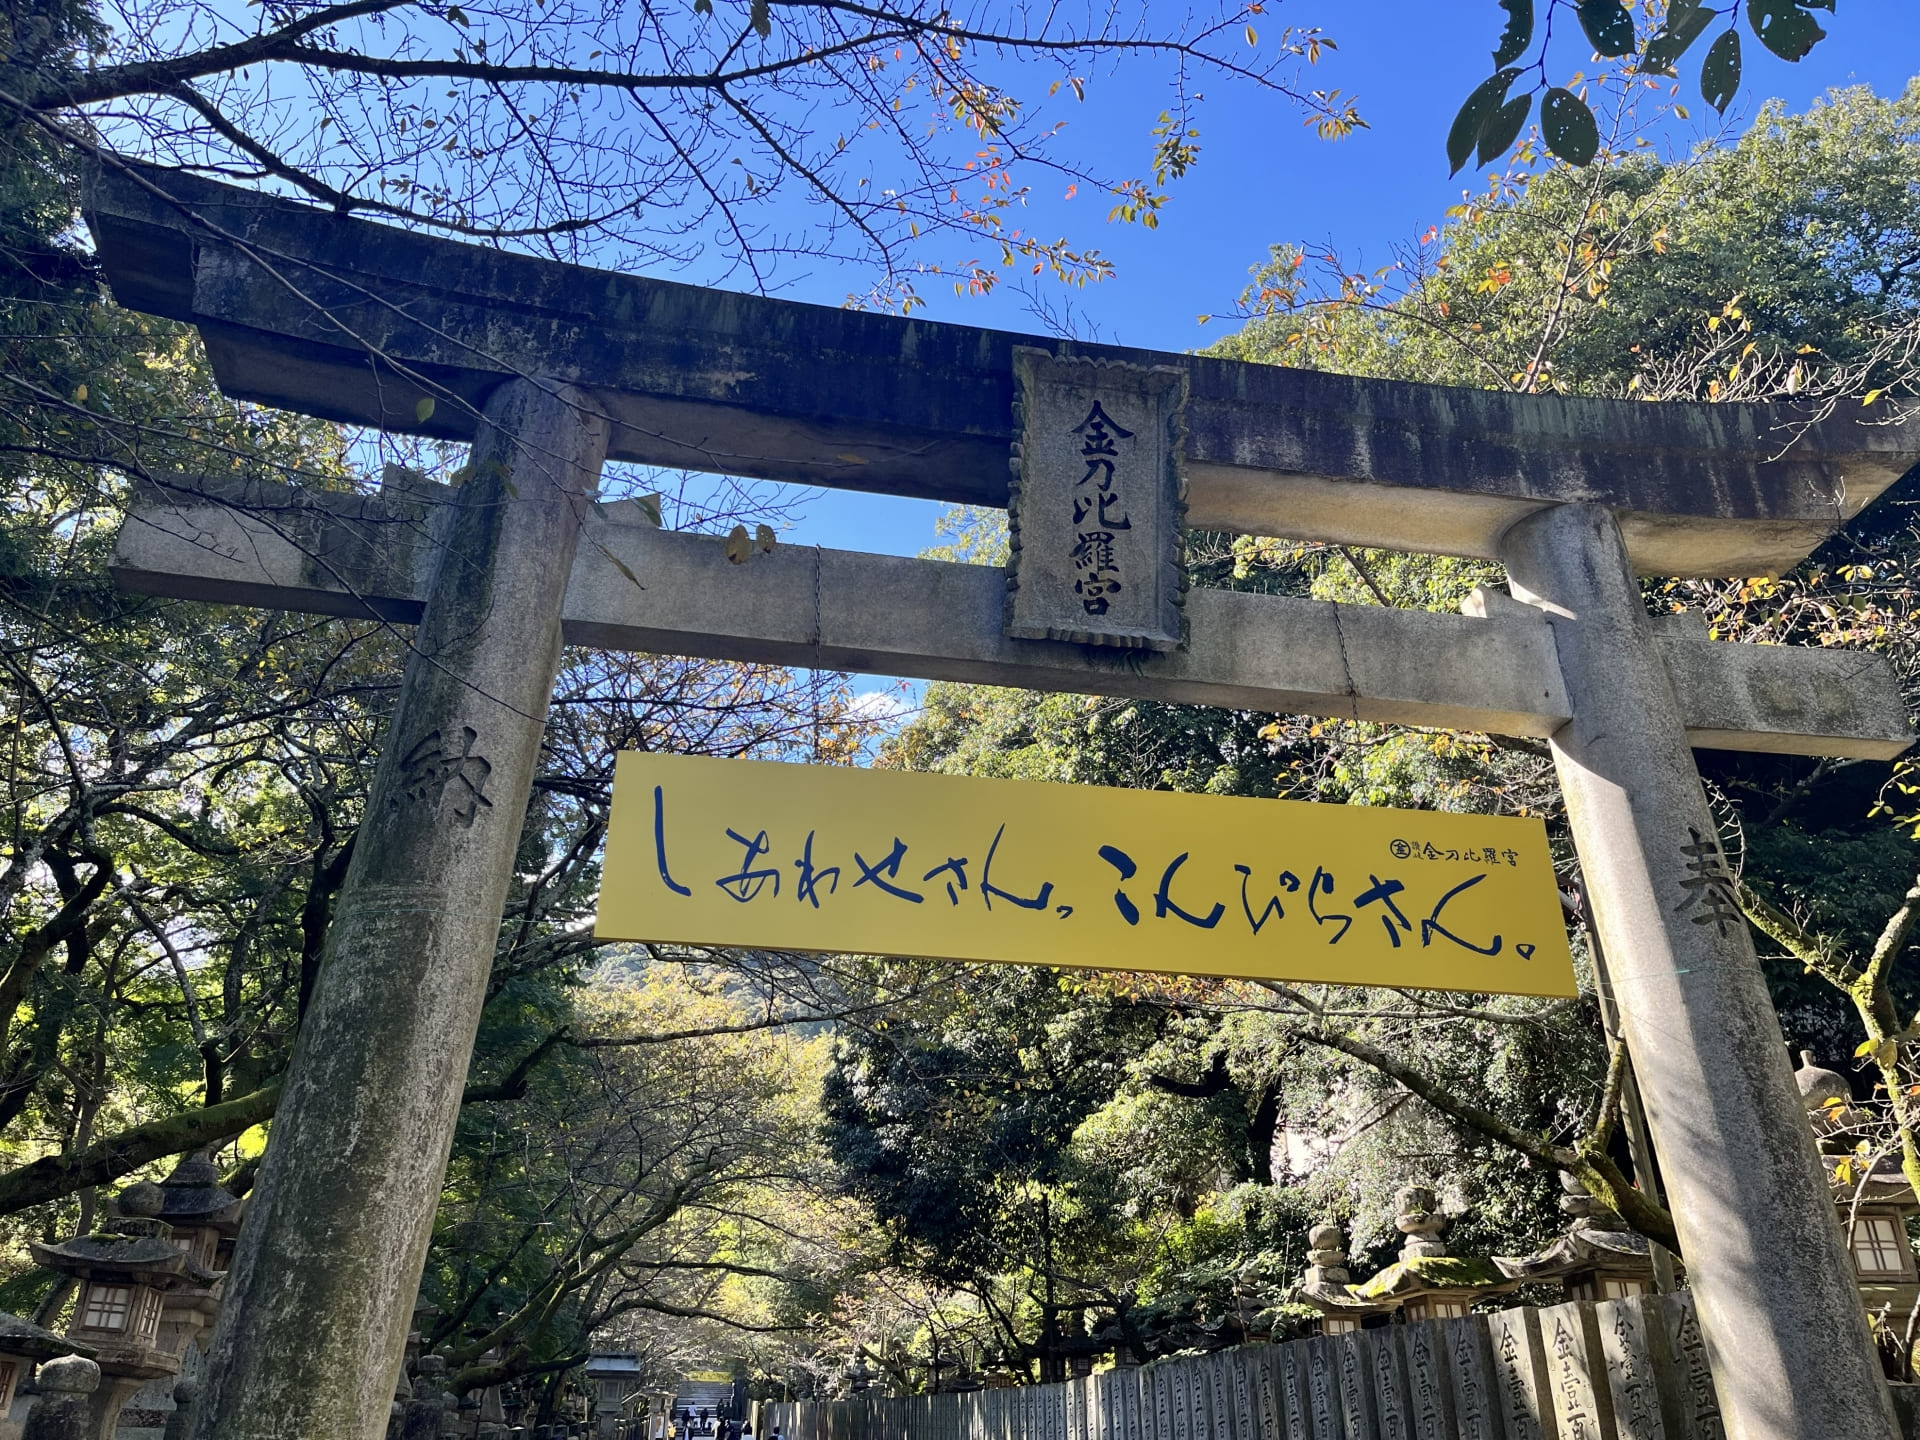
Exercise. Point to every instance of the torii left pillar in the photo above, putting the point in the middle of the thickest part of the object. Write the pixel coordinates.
(314, 1321)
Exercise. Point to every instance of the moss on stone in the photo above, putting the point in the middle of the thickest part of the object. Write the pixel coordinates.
(1439, 1272)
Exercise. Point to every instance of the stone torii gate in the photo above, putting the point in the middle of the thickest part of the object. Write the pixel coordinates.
(549, 369)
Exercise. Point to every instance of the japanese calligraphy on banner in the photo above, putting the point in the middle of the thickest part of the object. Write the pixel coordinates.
(1096, 515)
(705, 851)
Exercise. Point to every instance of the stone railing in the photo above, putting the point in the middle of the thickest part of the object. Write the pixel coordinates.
(1615, 1370)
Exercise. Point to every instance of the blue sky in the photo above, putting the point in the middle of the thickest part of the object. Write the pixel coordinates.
(1263, 178)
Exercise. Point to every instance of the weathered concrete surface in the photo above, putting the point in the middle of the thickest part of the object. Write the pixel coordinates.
(323, 1283)
(354, 321)
(1785, 1332)
(267, 545)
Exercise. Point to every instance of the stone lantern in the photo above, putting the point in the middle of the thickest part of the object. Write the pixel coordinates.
(1599, 1258)
(24, 1345)
(126, 1269)
(1426, 1282)
(613, 1381)
(859, 1375)
(204, 1218)
(1325, 1285)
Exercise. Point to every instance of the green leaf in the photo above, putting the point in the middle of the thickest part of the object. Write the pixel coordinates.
(761, 18)
(1720, 74)
(457, 15)
(1568, 127)
(423, 409)
(1685, 24)
(1481, 107)
(738, 547)
(650, 504)
(1609, 25)
(1503, 127)
(1784, 28)
(1518, 35)
(764, 539)
(703, 7)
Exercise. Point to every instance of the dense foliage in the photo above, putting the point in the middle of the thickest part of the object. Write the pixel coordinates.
(1784, 263)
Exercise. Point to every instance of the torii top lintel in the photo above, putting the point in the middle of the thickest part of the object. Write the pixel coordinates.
(358, 322)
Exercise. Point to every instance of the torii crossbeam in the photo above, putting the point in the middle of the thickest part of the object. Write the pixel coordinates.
(551, 368)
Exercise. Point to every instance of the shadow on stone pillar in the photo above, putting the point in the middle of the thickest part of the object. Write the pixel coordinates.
(64, 1410)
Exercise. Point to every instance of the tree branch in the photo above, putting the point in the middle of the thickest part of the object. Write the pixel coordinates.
(1586, 1162)
(53, 1176)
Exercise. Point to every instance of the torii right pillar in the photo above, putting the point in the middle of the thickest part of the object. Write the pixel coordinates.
(1785, 1330)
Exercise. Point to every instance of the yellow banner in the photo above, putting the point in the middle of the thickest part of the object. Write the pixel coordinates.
(884, 862)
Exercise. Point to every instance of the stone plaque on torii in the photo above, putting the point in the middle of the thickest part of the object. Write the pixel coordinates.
(550, 369)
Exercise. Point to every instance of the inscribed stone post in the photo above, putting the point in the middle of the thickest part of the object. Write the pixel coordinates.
(320, 1294)
(1295, 1407)
(1354, 1379)
(1220, 1410)
(1323, 1389)
(1582, 1405)
(1470, 1374)
(1522, 1384)
(1392, 1414)
(1136, 1407)
(1265, 1363)
(1073, 1404)
(1162, 1374)
(1423, 1346)
(1106, 1393)
(1096, 517)
(1695, 1413)
(1633, 1379)
(1244, 1367)
(1774, 1284)
(1180, 1379)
